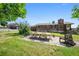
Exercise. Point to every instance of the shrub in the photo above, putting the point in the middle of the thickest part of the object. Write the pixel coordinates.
(24, 29)
(78, 29)
(3, 23)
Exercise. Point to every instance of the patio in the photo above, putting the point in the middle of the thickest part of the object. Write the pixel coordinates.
(47, 38)
(44, 38)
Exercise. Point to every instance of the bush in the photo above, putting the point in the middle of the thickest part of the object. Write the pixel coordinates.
(24, 29)
(75, 31)
(78, 29)
(3, 23)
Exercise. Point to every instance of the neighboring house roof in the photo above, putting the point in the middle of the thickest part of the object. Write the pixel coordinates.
(12, 24)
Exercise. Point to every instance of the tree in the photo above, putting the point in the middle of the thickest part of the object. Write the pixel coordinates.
(75, 12)
(53, 22)
(11, 11)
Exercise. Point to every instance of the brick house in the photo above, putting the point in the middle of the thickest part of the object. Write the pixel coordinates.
(53, 27)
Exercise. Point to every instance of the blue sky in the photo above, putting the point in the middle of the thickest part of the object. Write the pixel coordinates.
(48, 12)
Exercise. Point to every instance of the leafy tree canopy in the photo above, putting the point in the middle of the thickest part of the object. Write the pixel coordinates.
(11, 11)
(75, 12)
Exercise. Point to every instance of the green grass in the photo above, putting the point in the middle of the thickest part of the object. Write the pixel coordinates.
(75, 37)
(12, 44)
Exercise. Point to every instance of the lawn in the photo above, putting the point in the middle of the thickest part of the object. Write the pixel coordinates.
(12, 44)
(75, 37)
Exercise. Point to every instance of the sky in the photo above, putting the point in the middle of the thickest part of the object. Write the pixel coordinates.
(48, 12)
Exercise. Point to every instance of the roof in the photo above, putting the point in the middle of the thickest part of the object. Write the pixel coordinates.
(50, 24)
(46, 24)
(68, 23)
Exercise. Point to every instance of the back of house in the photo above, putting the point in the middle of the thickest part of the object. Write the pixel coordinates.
(51, 27)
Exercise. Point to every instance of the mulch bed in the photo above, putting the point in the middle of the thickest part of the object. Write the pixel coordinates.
(39, 38)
